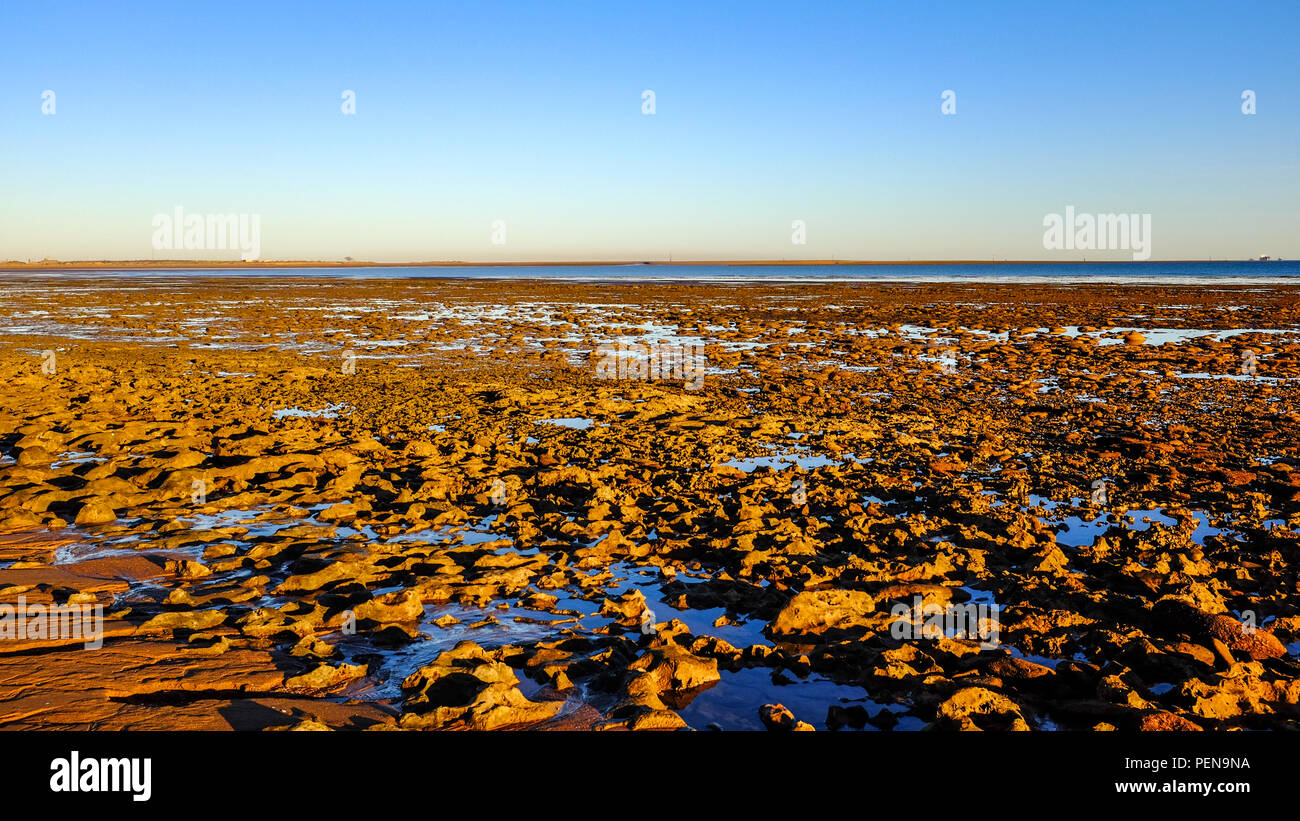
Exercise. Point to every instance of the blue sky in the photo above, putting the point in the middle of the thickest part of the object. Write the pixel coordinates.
(531, 113)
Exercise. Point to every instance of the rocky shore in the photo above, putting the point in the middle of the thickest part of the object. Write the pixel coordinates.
(419, 504)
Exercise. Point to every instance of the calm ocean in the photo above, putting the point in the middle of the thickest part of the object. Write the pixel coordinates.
(1135, 273)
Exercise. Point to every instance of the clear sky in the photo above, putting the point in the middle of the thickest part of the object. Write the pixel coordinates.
(765, 113)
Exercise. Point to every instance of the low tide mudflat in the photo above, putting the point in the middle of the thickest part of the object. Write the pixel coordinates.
(325, 503)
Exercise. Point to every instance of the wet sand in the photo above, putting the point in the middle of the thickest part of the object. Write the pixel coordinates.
(322, 503)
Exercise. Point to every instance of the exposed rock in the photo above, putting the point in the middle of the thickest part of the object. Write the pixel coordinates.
(778, 717)
(978, 708)
(818, 611)
(95, 512)
(466, 687)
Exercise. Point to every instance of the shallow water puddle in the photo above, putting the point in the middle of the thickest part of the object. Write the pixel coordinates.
(1077, 531)
(490, 627)
(734, 702)
(574, 422)
(328, 412)
(799, 455)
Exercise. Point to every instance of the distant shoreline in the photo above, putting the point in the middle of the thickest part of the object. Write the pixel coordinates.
(100, 265)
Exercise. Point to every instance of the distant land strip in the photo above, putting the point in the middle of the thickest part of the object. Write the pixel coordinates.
(18, 265)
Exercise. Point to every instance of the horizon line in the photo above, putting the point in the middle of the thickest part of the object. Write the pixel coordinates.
(19, 265)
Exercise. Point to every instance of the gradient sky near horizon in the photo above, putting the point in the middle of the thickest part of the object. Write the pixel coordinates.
(766, 113)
